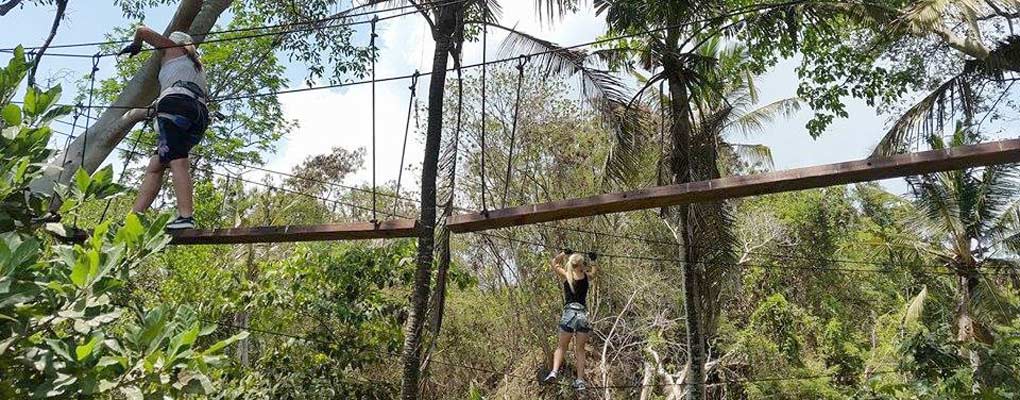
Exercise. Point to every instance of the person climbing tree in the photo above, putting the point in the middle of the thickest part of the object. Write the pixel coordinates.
(575, 278)
(181, 119)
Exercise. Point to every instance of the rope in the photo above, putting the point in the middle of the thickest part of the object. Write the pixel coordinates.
(375, 219)
(513, 130)
(662, 132)
(316, 25)
(485, 45)
(407, 129)
(88, 120)
(226, 195)
(284, 190)
(456, 136)
(127, 161)
(744, 10)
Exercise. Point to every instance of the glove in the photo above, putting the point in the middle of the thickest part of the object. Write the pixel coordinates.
(131, 50)
(593, 256)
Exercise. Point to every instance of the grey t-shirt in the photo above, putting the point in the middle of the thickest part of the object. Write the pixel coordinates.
(180, 69)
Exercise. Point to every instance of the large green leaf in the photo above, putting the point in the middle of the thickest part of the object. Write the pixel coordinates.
(80, 272)
(83, 351)
(184, 339)
(37, 102)
(11, 115)
(216, 347)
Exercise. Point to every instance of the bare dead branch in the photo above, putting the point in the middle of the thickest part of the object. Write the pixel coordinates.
(61, 8)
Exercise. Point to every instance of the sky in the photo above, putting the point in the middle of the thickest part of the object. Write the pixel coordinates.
(342, 117)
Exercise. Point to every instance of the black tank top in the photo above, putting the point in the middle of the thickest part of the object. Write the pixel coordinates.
(579, 294)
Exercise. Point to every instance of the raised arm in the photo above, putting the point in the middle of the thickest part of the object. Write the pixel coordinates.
(154, 39)
(557, 265)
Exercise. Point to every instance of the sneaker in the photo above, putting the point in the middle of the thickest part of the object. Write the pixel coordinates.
(181, 223)
(550, 378)
(579, 385)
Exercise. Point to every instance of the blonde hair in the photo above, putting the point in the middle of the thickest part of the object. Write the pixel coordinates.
(192, 54)
(575, 260)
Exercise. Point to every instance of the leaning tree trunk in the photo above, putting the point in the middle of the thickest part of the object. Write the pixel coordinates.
(194, 16)
(446, 27)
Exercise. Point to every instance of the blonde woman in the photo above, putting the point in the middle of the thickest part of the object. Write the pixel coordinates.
(181, 119)
(574, 271)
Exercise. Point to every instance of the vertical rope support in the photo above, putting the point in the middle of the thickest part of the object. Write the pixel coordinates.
(226, 194)
(662, 132)
(375, 19)
(88, 118)
(88, 111)
(522, 61)
(485, 45)
(127, 161)
(407, 129)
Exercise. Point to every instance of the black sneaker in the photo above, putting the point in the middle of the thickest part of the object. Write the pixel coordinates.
(579, 385)
(550, 378)
(181, 223)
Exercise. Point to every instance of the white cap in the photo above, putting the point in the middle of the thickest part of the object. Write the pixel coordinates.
(181, 38)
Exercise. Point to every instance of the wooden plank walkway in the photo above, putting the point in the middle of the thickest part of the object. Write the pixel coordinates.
(397, 228)
(985, 154)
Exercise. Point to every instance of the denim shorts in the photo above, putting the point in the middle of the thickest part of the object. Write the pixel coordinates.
(574, 319)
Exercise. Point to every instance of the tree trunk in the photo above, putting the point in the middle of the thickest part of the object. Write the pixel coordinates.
(681, 171)
(969, 329)
(114, 123)
(446, 26)
(243, 318)
(448, 192)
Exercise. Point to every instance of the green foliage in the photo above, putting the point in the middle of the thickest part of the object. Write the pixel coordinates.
(64, 330)
(778, 320)
(841, 353)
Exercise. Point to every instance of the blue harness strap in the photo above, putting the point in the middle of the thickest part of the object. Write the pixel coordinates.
(181, 121)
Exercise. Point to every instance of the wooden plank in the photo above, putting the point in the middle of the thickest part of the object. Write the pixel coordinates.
(1002, 152)
(297, 233)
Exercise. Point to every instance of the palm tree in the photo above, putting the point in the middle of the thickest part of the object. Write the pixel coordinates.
(969, 221)
(446, 21)
(984, 52)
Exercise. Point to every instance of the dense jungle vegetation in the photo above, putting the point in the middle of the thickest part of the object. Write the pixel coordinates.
(844, 292)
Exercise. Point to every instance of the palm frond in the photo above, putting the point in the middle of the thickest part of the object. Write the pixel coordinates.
(929, 116)
(755, 121)
(915, 309)
(596, 84)
(552, 9)
(599, 87)
(754, 154)
(991, 305)
(936, 212)
(924, 16)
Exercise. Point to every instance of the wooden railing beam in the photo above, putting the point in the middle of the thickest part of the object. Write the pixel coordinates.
(985, 154)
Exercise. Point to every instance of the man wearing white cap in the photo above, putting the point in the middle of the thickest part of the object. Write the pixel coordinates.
(181, 119)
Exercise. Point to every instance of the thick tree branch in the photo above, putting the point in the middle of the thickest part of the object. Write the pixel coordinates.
(424, 14)
(966, 46)
(7, 6)
(61, 8)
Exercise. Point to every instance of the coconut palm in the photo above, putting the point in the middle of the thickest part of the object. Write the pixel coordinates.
(984, 53)
(446, 21)
(969, 220)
